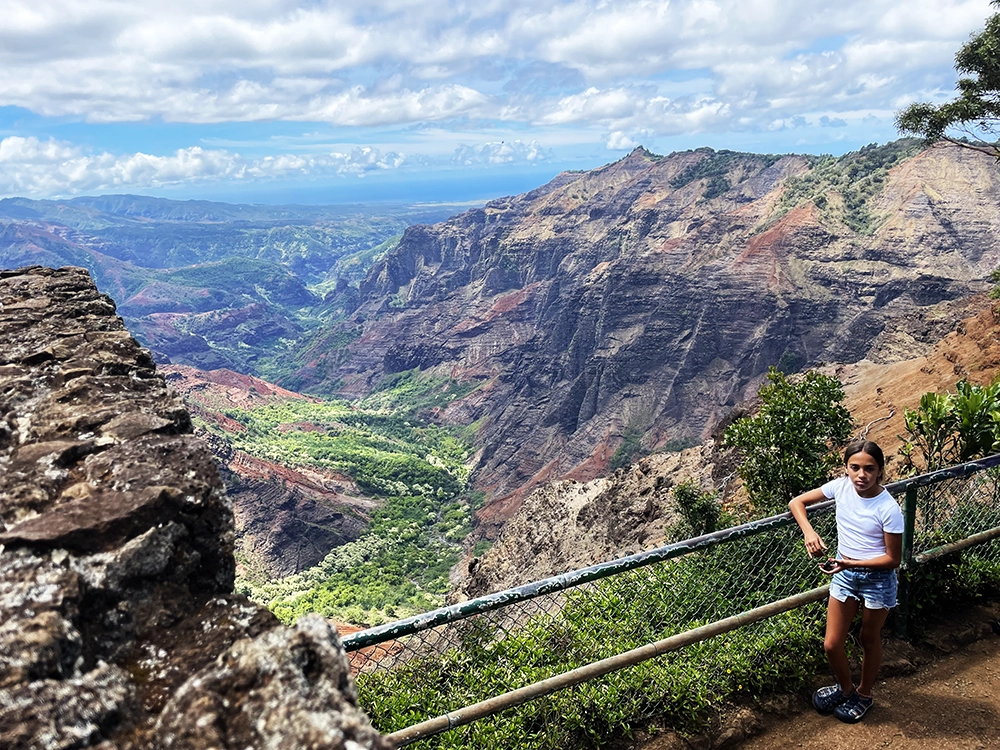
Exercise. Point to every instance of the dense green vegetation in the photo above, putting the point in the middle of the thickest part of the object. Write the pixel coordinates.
(398, 569)
(791, 445)
(950, 428)
(629, 450)
(946, 429)
(843, 187)
(418, 470)
(619, 613)
(411, 392)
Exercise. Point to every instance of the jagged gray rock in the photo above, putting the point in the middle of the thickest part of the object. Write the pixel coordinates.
(297, 694)
(118, 626)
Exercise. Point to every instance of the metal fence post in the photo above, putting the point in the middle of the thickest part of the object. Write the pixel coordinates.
(909, 523)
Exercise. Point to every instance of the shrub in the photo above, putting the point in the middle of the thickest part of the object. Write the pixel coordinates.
(950, 428)
(628, 451)
(701, 510)
(788, 446)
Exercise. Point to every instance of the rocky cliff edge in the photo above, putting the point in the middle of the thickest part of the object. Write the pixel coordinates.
(118, 626)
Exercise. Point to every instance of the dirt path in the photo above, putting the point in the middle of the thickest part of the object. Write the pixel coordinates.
(950, 703)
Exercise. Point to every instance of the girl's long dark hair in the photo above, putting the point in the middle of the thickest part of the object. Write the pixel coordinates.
(865, 446)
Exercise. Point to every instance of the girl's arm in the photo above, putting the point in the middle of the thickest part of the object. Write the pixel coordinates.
(814, 545)
(889, 561)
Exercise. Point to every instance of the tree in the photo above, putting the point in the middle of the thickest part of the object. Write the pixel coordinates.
(950, 428)
(976, 111)
(789, 445)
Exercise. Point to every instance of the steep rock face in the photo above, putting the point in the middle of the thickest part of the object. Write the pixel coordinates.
(879, 394)
(569, 525)
(288, 520)
(118, 627)
(651, 295)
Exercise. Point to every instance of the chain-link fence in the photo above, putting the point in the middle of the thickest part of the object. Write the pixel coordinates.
(951, 547)
(438, 664)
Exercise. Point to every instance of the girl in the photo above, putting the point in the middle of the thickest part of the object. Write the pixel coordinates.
(870, 541)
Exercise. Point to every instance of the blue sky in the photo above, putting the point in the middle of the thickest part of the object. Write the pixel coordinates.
(442, 100)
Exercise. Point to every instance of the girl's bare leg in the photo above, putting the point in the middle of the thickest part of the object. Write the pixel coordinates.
(872, 621)
(839, 616)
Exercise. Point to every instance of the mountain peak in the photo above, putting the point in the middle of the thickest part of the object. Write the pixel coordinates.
(648, 297)
(641, 152)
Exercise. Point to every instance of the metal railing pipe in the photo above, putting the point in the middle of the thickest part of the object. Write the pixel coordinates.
(947, 549)
(495, 705)
(951, 472)
(490, 602)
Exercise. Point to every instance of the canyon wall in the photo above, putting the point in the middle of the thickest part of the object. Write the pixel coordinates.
(568, 525)
(647, 298)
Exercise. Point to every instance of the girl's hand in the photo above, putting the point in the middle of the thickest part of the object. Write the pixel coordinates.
(832, 565)
(814, 545)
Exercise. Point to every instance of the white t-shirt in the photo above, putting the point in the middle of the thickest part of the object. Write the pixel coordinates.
(862, 521)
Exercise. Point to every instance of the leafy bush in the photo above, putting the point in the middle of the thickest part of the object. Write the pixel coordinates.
(788, 446)
(950, 428)
(629, 450)
(948, 512)
(701, 510)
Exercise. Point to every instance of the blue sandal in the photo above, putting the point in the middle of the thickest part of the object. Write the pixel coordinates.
(854, 708)
(826, 699)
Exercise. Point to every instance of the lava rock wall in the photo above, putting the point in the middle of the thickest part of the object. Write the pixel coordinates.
(118, 625)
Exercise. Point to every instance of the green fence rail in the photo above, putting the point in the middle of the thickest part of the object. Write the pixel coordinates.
(422, 675)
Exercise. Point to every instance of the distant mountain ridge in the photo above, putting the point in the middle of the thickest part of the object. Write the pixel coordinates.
(201, 283)
(98, 209)
(641, 301)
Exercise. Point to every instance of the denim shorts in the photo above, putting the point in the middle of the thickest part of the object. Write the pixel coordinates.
(876, 588)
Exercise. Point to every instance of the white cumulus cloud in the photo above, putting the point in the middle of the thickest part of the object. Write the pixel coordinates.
(604, 73)
(619, 141)
(225, 60)
(501, 152)
(29, 166)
